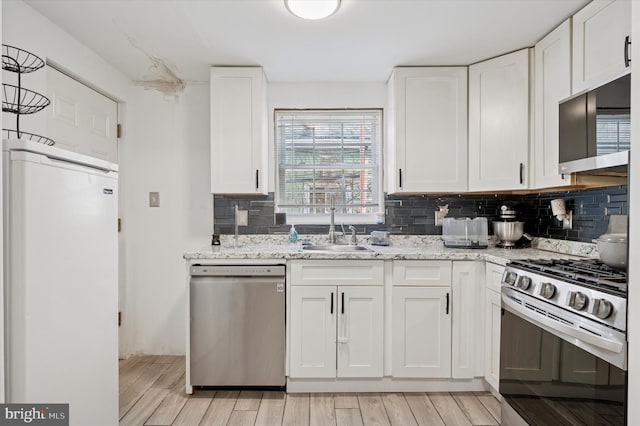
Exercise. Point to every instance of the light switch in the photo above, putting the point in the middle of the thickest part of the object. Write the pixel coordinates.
(154, 199)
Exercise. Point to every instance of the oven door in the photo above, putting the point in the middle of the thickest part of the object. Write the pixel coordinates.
(548, 376)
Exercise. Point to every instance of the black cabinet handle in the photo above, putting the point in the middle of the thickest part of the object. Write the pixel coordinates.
(627, 43)
(332, 303)
(257, 179)
(342, 302)
(521, 173)
(447, 304)
(400, 174)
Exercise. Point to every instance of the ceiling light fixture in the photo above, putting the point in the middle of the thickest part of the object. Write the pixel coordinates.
(312, 9)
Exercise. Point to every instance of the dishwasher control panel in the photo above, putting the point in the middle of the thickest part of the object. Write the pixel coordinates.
(237, 270)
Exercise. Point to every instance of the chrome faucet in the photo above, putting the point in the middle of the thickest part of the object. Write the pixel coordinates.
(354, 238)
(332, 227)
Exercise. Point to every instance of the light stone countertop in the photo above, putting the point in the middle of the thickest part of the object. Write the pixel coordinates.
(411, 247)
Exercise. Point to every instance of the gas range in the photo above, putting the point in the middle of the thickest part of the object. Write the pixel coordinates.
(585, 287)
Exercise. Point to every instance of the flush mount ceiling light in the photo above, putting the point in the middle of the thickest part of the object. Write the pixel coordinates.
(312, 9)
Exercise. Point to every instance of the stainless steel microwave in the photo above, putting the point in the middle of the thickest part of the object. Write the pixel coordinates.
(595, 128)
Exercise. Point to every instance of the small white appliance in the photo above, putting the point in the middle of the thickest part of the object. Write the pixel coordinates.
(61, 280)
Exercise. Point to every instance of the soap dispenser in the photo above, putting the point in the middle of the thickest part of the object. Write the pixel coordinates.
(293, 234)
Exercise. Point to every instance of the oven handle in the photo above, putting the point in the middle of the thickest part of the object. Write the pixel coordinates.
(585, 336)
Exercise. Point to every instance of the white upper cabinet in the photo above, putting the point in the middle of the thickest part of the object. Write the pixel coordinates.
(80, 119)
(552, 84)
(499, 123)
(427, 128)
(600, 34)
(238, 130)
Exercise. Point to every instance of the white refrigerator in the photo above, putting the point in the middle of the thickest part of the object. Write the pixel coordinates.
(61, 280)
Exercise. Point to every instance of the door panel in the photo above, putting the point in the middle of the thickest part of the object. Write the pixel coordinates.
(421, 332)
(81, 119)
(360, 331)
(313, 331)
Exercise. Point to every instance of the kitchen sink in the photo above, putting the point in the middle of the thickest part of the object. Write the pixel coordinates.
(335, 247)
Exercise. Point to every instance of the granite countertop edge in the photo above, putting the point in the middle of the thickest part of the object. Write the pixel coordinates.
(408, 248)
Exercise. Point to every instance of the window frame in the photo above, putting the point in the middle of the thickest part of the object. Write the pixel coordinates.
(340, 218)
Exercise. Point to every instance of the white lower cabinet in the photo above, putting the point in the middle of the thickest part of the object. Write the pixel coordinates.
(336, 330)
(467, 320)
(492, 318)
(493, 315)
(421, 332)
(360, 327)
(436, 327)
(313, 331)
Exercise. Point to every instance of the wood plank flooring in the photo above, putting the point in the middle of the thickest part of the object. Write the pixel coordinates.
(152, 393)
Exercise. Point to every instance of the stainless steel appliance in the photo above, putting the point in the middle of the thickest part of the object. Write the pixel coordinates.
(509, 230)
(595, 128)
(237, 326)
(563, 353)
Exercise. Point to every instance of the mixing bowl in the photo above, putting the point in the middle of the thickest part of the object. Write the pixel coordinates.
(508, 232)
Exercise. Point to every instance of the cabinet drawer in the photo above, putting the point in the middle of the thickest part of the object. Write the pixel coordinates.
(494, 276)
(422, 273)
(337, 272)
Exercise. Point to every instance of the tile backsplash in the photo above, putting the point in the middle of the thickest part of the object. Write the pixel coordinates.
(415, 214)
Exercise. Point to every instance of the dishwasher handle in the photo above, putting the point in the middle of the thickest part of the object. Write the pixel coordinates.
(237, 271)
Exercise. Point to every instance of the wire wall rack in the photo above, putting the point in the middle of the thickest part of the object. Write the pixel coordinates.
(18, 100)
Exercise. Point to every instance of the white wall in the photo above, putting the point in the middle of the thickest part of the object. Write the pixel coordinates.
(320, 95)
(165, 148)
(633, 320)
(170, 155)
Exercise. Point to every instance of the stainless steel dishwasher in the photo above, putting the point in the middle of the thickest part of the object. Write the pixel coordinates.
(237, 330)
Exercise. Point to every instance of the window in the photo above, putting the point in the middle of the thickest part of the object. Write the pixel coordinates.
(329, 153)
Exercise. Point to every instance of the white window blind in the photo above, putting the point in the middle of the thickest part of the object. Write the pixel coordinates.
(324, 153)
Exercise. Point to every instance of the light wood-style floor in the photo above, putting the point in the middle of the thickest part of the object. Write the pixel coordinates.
(152, 393)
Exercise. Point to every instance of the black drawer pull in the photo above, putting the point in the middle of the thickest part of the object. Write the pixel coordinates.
(332, 303)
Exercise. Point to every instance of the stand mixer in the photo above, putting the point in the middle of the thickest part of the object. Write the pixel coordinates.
(509, 230)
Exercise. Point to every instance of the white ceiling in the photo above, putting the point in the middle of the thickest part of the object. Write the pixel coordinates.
(363, 41)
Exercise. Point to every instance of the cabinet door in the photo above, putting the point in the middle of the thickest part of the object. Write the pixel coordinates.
(499, 122)
(360, 327)
(599, 32)
(238, 130)
(429, 129)
(493, 314)
(313, 331)
(421, 332)
(552, 84)
(493, 276)
(467, 328)
(79, 118)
